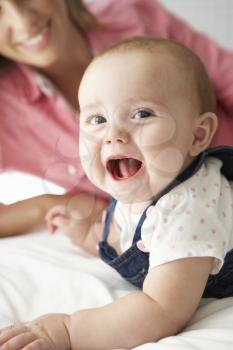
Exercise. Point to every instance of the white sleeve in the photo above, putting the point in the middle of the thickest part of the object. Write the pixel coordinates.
(192, 220)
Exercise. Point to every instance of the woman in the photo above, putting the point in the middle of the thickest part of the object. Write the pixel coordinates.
(45, 47)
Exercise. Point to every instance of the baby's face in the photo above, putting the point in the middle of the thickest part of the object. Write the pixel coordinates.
(137, 120)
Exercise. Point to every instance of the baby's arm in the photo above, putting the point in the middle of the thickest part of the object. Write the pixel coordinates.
(24, 215)
(170, 296)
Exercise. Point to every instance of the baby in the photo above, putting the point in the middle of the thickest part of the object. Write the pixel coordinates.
(147, 117)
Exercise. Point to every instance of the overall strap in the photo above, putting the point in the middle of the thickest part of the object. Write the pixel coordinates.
(137, 234)
(108, 219)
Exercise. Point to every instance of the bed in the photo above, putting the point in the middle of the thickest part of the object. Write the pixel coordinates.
(42, 273)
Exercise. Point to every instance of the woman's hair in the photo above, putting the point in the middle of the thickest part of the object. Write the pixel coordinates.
(80, 16)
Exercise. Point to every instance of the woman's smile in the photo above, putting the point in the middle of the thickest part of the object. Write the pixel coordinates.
(38, 40)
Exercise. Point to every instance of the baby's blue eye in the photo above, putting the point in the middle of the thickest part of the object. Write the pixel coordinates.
(97, 119)
(142, 114)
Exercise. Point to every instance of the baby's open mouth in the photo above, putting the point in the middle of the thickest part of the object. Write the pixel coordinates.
(123, 168)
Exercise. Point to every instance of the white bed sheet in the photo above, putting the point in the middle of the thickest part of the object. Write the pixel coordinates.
(42, 273)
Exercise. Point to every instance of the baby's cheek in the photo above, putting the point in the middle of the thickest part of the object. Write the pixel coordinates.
(157, 134)
(164, 167)
(86, 154)
(89, 154)
(168, 161)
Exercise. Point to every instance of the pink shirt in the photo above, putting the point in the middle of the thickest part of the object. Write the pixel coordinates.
(38, 128)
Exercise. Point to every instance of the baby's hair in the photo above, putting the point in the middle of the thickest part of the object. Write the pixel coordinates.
(189, 61)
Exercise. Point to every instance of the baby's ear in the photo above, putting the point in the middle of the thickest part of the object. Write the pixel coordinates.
(204, 129)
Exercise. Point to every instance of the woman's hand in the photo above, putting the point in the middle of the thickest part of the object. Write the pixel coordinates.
(48, 332)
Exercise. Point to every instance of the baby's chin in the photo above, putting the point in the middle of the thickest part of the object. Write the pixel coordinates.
(131, 197)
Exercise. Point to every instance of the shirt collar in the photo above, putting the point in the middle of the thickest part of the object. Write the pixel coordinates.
(34, 85)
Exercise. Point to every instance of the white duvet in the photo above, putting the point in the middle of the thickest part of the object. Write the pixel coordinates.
(42, 273)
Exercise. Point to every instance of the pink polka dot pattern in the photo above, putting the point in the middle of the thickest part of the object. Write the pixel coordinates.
(200, 226)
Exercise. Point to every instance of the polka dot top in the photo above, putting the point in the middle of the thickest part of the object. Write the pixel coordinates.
(194, 219)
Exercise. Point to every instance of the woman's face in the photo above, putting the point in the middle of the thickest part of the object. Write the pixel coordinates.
(34, 32)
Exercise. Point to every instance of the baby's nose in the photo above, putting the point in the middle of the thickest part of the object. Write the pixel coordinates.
(116, 135)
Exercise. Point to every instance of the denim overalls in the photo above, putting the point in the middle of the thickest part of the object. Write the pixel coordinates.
(133, 264)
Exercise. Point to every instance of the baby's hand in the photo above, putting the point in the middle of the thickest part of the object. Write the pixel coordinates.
(69, 222)
(58, 217)
(80, 220)
(47, 332)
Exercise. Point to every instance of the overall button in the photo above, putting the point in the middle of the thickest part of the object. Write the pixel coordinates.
(141, 246)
